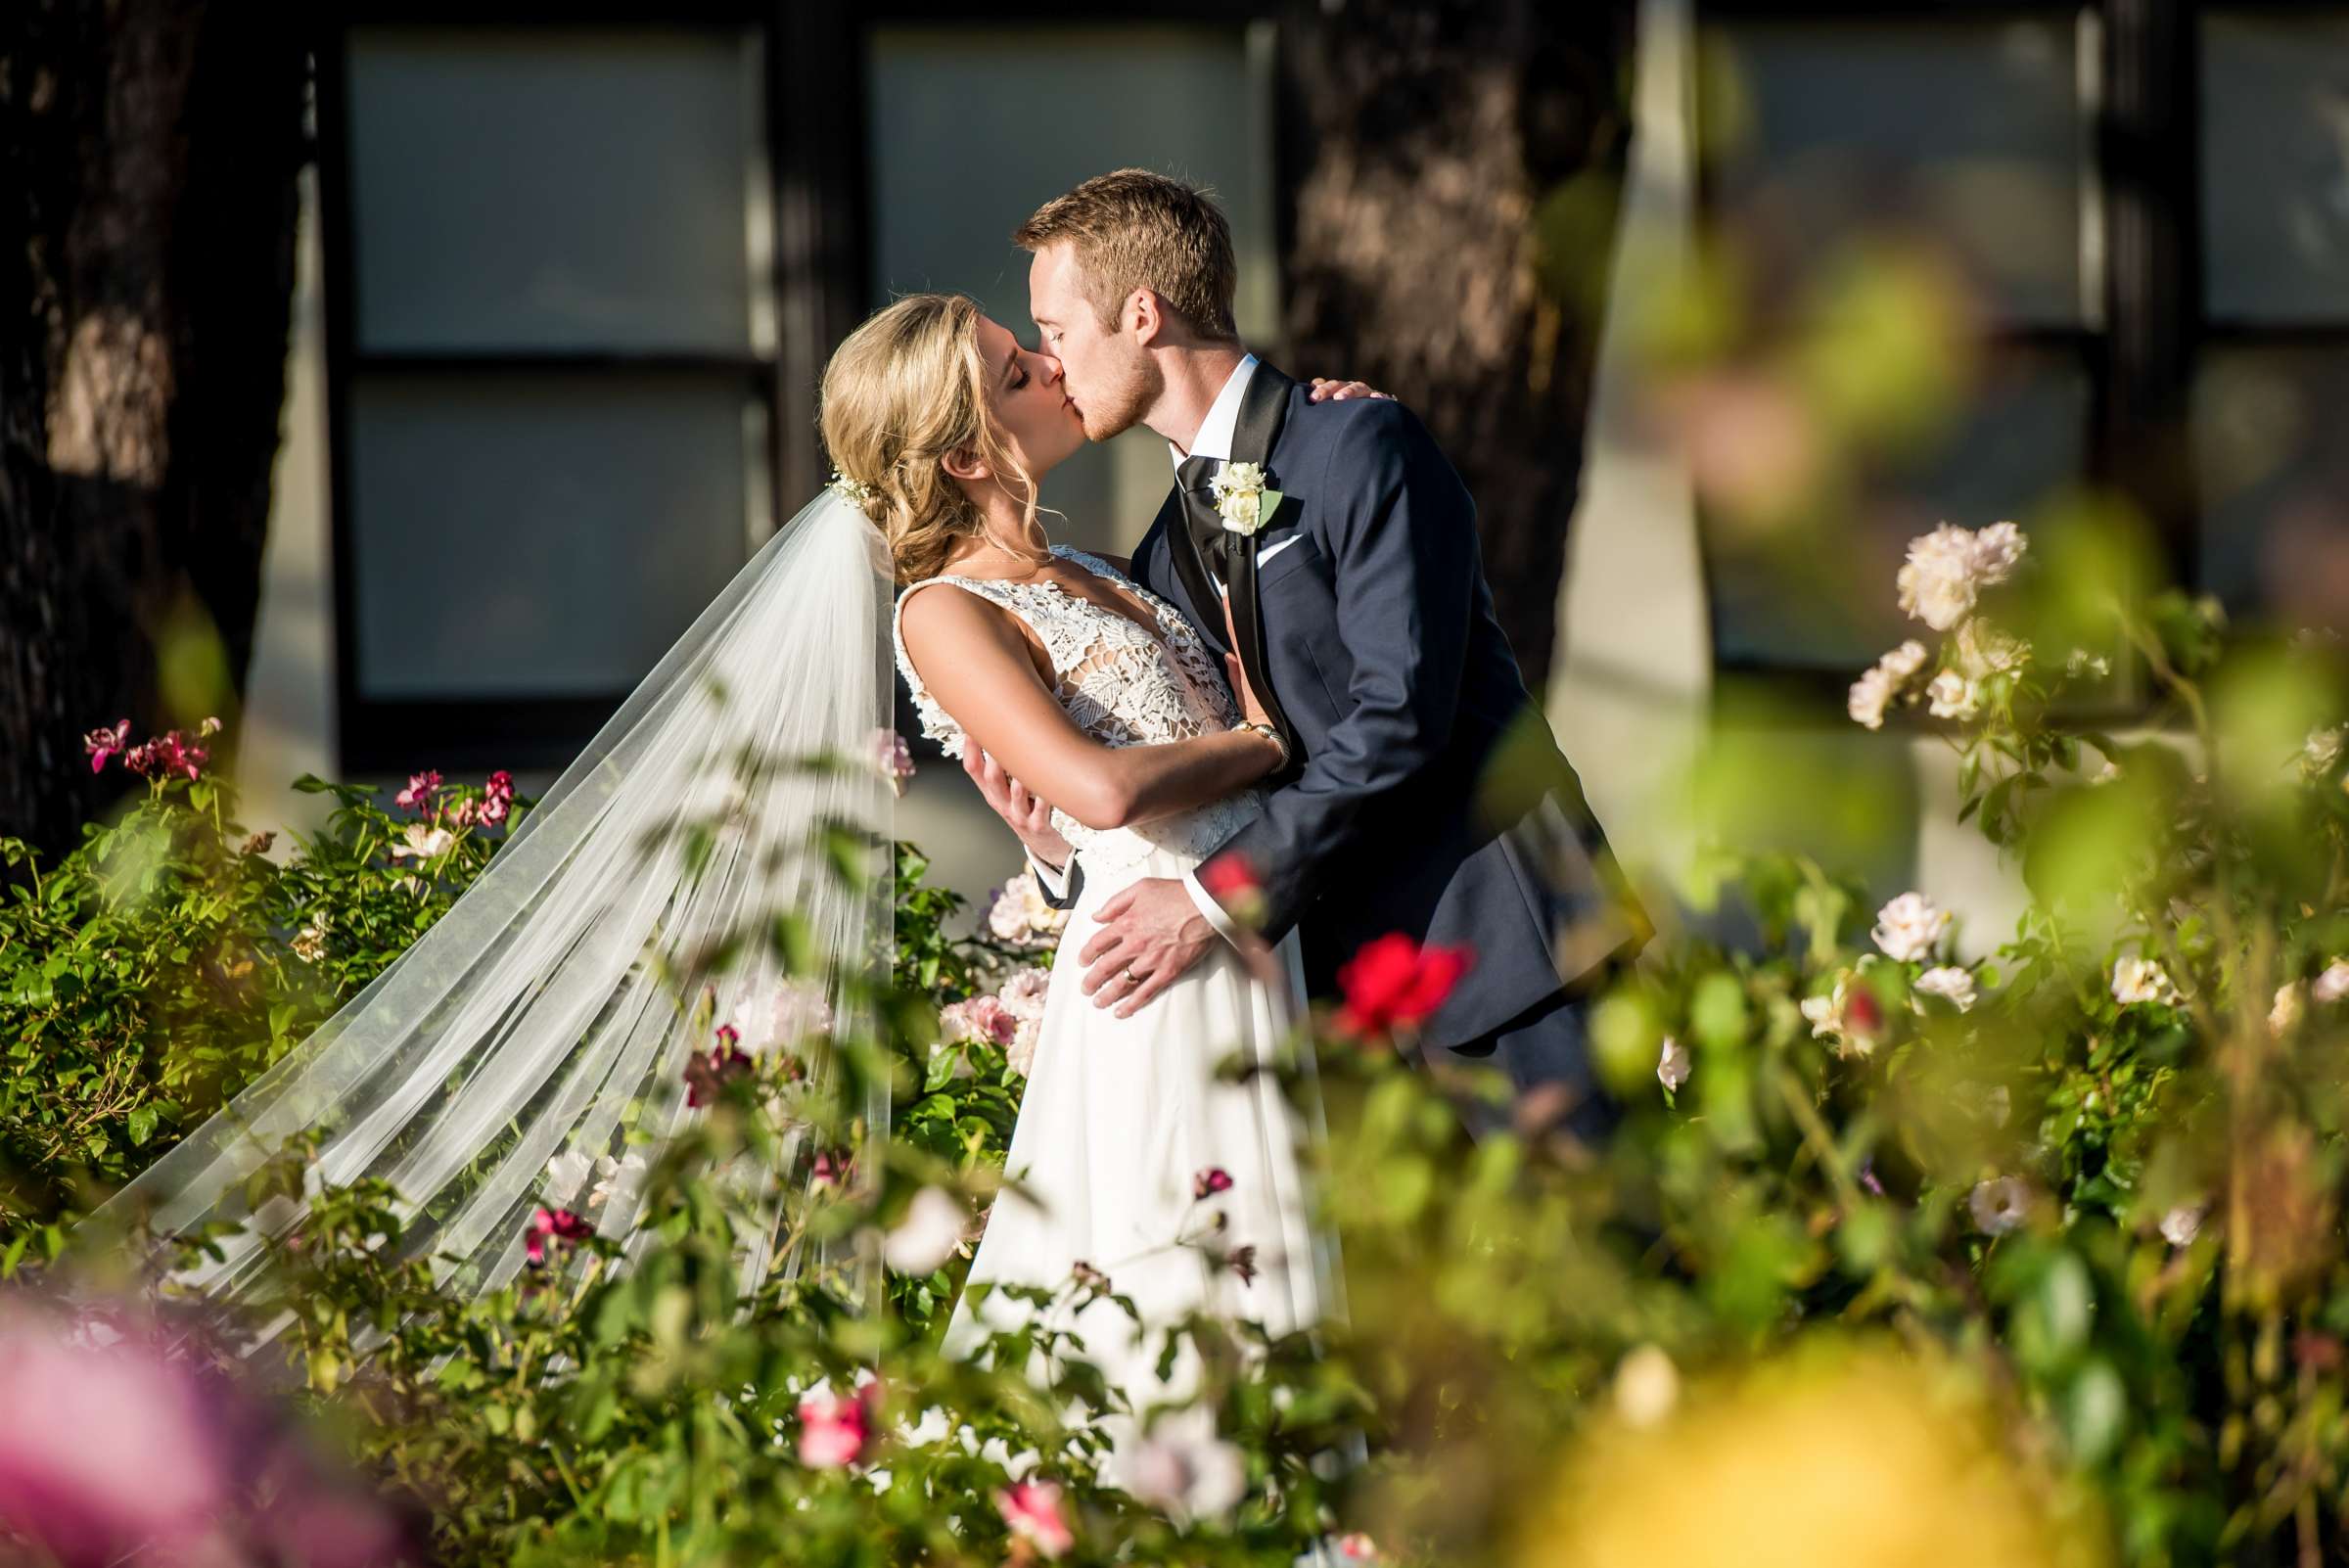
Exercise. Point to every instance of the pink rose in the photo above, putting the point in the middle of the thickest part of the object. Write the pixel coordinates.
(836, 1432)
(1035, 1512)
(102, 744)
(557, 1224)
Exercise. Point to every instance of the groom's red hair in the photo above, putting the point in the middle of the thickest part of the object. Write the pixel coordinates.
(1135, 229)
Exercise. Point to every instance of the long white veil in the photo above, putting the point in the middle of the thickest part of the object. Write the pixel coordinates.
(532, 1039)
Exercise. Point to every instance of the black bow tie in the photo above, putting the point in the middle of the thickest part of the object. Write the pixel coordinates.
(1194, 477)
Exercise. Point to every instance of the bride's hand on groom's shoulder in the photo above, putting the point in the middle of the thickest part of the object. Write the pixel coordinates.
(1022, 812)
(1327, 390)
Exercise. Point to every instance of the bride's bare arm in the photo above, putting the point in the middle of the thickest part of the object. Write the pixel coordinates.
(976, 664)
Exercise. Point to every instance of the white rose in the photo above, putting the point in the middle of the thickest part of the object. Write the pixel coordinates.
(795, 1009)
(1023, 992)
(1020, 1054)
(1948, 568)
(1907, 927)
(1950, 694)
(927, 1236)
(1937, 584)
(2182, 1225)
(1905, 660)
(1996, 549)
(1007, 916)
(615, 1178)
(1999, 1205)
(2292, 1004)
(2333, 984)
(1870, 695)
(1981, 650)
(568, 1172)
(1953, 985)
(1672, 1066)
(424, 840)
(1239, 493)
(2141, 979)
(1874, 691)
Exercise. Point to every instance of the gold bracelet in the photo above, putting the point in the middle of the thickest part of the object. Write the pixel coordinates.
(1270, 735)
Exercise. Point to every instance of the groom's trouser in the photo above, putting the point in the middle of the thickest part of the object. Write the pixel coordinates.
(1548, 1043)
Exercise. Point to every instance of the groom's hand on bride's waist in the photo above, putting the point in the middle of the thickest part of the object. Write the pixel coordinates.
(1151, 935)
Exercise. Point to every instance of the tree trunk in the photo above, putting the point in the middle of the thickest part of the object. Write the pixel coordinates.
(1456, 168)
(153, 148)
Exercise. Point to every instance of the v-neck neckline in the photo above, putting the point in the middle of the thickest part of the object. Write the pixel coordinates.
(1155, 629)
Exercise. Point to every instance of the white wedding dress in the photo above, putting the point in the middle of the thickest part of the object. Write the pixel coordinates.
(1121, 1115)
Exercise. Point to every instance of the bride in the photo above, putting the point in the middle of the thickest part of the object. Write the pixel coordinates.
(1134, 1162)
(526, 1053)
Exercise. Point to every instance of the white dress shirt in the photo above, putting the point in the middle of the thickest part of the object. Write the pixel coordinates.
(1214, 440)
(1215, 433)
(1223, 420)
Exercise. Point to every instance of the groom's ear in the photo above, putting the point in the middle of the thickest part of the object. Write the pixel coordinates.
(1145, 316)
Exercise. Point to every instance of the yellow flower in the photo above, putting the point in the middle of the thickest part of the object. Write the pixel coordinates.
(1831, 1459)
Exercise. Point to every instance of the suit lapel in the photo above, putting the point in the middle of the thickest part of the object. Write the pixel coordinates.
(1263, 410)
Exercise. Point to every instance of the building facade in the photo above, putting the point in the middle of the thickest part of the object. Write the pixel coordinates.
(568, 287)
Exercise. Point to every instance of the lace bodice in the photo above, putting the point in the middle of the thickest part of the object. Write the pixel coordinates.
(1121, 685)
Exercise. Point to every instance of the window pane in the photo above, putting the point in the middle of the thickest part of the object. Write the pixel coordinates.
(972, 132)
(2276, 166)
(1828, 602)
(542, 535)
(2272, 453)
(1967, 131)
(555, 188)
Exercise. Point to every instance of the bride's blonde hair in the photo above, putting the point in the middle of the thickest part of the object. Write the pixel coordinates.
(905, 390)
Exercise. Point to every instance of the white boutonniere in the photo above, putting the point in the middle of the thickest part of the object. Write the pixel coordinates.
(1241, 499)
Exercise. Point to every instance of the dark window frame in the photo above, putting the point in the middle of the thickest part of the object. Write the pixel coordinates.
(2143, 155)
(818, 160)
(815, 281)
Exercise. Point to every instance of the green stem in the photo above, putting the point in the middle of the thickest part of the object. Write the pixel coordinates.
(1817, 1137)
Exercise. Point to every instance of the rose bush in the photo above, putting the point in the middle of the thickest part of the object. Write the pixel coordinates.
(165, 961)
(2024, 1251)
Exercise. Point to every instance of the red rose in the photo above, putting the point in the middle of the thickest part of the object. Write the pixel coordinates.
(1862, 1013)
(1231, 881)
(560, 1224)
(1395, 981)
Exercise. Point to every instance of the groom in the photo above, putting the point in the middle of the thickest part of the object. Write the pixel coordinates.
(1425, 793)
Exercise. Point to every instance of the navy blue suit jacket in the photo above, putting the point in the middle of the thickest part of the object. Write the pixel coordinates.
(1427, 794)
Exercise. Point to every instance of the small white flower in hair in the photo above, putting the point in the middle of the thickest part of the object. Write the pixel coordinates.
(854, 489)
